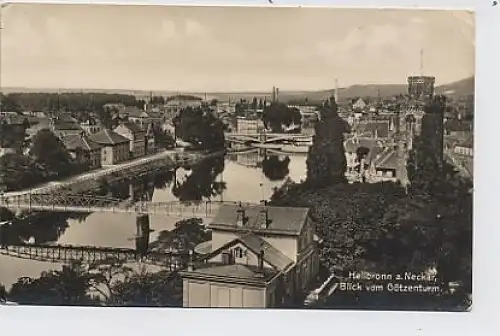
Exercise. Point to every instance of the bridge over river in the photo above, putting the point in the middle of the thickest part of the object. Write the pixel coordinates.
(62, 202)
(65, 254)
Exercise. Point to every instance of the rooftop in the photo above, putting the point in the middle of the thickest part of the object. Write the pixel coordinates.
(233, 271)
(107, 137)
(133, 127)
(75, 141)
(387, 160)
(282, 220)
(272, 256)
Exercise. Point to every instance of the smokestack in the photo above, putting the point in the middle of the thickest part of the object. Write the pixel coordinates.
(240, 216)
(277, 94)
(273, 95)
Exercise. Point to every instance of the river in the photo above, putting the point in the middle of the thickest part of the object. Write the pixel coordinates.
(242, 177)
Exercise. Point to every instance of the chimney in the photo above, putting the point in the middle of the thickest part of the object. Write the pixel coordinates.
(276, 95)
(263, 216)
(240, 216)
(260, 261)
(190, 265)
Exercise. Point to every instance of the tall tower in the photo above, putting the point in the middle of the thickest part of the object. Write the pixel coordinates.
(421, 86)
(273, 95)
(277, 94)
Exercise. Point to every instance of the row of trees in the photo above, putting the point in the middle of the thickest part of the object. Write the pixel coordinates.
(69, 102)
(77, 101)
(382, 227)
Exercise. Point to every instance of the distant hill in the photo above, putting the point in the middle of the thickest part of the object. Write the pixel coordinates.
(459, 88)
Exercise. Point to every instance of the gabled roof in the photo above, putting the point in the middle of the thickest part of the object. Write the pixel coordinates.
(132, 127)
(360, 103)
(107, 137)
(282, 220)
(132, 111)
(75, 141)
(272, 256)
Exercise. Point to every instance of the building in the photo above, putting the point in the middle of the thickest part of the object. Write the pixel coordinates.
(421, 86)
(115, 148)
(91, 126)
(64, 125)
(259, 256)
(83, 150)
(143, 118)
(359, 106)
(245, 125)
(374, 128)
(136, 135)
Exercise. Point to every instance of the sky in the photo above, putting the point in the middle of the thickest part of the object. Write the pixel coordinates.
(228, 49)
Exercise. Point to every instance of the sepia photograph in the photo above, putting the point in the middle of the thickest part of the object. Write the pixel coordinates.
(236, 157)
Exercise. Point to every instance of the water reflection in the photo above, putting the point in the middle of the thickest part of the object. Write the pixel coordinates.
(201, 183)
(275, 167)
(40, 228)
(226, 179)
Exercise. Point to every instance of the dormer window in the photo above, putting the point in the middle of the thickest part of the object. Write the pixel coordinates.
(238, 252)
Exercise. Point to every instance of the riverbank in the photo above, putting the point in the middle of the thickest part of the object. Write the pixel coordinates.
(81, 182)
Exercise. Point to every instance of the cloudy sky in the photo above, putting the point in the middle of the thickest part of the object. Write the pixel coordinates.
(228, 48)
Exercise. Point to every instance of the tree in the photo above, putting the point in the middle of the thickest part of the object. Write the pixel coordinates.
(104, 276)
(326, 161)
(199, 127)
(68, 286)
(278, 115)
(9, 104)
(50, 154)
(347, 218)
(185, 236)
(157, 100)
(214, 102)
(145, 289)
(17, 171)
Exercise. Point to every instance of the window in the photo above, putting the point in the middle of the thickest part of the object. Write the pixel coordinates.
(238, 252)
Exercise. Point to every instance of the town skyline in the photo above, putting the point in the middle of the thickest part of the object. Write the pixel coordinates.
(186, 49)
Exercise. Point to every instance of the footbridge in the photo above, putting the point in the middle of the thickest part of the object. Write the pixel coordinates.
(66, 254)
(63, 202)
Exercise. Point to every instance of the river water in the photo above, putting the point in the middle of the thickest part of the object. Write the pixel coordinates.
(248, 177)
